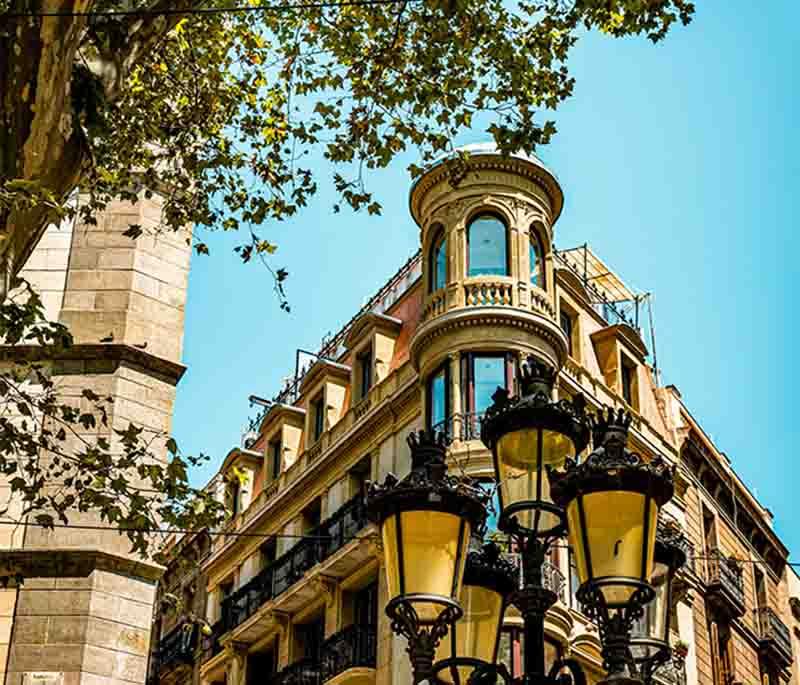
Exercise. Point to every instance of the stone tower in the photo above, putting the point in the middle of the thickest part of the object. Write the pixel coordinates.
(489, 285)
(84, 612)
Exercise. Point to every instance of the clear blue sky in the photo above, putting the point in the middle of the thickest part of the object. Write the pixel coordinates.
(680, 167)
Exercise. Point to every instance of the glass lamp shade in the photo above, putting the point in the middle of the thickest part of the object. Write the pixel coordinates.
(613, 534)
(521, 461)
(425, 552)
(475, 635)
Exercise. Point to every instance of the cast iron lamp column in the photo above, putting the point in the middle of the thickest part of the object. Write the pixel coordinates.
(426, 521)
(529, 435)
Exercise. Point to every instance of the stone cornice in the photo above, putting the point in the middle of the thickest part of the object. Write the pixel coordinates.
(490, 161)
(291, 414)
(478, 316)
(94, 352)
(372, 321)
(75, 563)
(324, 367)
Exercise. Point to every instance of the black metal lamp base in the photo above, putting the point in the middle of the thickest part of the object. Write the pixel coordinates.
(423, 635)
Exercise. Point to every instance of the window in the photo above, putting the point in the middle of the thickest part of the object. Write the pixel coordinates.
(487, 247)
(360, 475)
(268, 552)
(536, 256)
(312, 515)
(260, 664)
(275, 454)
(482, 374)
(566, 326)
(628, 376)
(438, 398)
(309, 638)
(438, 263)
(761, 589)
(574, 582)
(318, 417)
(234, 492)
(364, 371)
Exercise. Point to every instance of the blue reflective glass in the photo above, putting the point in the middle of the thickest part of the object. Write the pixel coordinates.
(440, 265)
(488, 373)
(487, 247)
(438, 398)
(536, 265)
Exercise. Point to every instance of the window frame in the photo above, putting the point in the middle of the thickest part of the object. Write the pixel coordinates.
(439, 240)
(535, 242)
(317, 405)
(468, 374)
(275, 456)
(364, 371)
(506, 245)
(444, 367)
(628, 385)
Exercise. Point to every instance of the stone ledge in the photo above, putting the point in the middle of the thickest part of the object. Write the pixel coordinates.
(115, 352)
(74, 563)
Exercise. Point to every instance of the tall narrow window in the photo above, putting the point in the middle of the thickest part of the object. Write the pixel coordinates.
(483, 373)
(536, 256)
(628, 375)
(438, 262)
(487, 247)
(364, 371)
(438, 396)
(318, 416)
(566, 326)
(275, 451)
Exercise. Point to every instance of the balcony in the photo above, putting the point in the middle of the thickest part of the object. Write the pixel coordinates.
(774, 639)
(724, 586)
(306, 671)
(322, 543)
(354, 647)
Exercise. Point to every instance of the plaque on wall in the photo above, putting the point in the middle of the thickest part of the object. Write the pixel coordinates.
(42, 678)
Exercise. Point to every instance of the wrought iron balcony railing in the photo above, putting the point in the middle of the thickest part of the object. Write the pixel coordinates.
(306, 671)
(724, 584)
(353, 647)
(321, 542)
(774, 636)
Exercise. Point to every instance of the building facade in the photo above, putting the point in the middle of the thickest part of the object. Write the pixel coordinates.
(294, 580)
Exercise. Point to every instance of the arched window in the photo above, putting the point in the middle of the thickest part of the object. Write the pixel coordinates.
(438, 262)
(487, 246)
(536, 255)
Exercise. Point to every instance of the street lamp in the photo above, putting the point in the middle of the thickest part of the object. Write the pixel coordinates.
(426, 521)
(612, 500)
(650, 644)
(472, 643)
(529, 435)
(608, 503)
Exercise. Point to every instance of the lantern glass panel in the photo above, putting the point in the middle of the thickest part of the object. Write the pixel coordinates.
(654, 624)
(612, 545)
(431, 553)
(523, 476)
(476, 632)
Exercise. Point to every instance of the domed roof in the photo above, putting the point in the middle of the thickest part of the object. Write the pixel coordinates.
(484, 150)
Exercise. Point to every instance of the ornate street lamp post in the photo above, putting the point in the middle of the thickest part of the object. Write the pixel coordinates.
(426, 521)
(530, 435)
(612, 500)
